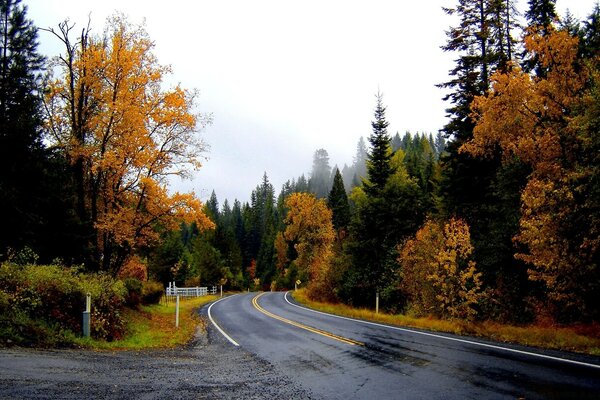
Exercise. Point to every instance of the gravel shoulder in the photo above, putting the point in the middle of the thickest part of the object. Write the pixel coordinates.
(208, 368)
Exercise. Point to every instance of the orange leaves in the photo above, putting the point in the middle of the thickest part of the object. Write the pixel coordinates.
(527, 117)
(539, 120)
(111, 115)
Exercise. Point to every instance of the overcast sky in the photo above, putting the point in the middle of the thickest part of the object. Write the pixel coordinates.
(284, 78)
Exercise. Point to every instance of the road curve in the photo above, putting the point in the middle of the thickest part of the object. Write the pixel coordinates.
(337, 358)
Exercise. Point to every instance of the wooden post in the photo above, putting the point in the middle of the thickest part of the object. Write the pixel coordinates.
(177, 312)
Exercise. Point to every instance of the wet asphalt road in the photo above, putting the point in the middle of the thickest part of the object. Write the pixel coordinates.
(391, 363)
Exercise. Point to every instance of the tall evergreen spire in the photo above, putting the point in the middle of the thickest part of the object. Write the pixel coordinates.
(379, 168)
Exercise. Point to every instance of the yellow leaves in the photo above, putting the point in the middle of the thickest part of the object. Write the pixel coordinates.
(436, 272)
(310, 228)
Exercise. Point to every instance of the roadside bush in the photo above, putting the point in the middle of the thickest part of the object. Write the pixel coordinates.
(152, 292)
(134, 292)
(45, 302)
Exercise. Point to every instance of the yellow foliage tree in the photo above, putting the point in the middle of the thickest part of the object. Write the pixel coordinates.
(124, 135)
(310, 229)
(535, 119)
(437, 274)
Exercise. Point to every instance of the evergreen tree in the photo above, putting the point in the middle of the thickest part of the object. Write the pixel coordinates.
(338, 203)
(320, 175)
(35, 190)
(591, 34)
(480, 190)
(541, 14)
(360, 160)
(396, 142)
(571, 24)
(378, 165)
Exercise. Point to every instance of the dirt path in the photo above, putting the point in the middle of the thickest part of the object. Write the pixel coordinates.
(204, 370)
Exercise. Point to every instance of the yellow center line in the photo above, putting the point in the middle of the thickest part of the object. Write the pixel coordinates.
(302, 326)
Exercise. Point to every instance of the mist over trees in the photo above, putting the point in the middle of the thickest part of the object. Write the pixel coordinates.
(495, 216)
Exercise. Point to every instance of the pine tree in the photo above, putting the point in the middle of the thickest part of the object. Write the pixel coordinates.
(591, 34)
(320, 182)
(34, 186)
(338, 203)
(378, 165)
(479, 190)
(540, 15)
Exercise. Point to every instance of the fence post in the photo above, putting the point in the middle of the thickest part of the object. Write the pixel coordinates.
(86, 315)
(177, 312)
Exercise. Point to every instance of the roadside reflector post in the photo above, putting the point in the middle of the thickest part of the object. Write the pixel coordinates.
(177, 312)
(86, 315)
(377, 303)
(221, 290)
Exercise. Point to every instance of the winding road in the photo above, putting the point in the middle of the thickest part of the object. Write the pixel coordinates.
(339, 358)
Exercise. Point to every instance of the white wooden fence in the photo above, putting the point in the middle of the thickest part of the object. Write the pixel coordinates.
(173, 290)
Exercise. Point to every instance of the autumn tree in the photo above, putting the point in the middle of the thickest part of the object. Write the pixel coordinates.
(544, 122)
(310, 229)
(124, 135)
(437, 271)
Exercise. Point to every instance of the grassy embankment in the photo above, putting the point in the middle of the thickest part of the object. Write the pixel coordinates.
(153, 326)
(580, 338)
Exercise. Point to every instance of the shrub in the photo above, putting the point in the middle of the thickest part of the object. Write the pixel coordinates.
(134, 268)
(134, 292)
(152, 292)
(43, 301)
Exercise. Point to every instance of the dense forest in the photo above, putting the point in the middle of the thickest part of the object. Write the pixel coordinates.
(495, 216)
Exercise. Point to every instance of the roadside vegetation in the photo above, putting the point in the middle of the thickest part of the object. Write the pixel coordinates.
(576, 338)
(153, 326)
(42, 306)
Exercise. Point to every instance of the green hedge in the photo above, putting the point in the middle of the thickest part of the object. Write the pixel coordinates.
(43, 305)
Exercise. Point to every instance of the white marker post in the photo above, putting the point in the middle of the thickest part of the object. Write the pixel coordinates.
(177, 312)
(377, 303)
(86, 315)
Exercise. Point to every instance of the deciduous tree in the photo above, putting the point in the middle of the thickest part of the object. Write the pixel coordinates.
(538, 121)
(310, 229)
(124, 135)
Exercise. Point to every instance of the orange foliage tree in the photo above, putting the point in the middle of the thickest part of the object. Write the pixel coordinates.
(437, 274)
(124, 135)
(536, 119)
(310, 229)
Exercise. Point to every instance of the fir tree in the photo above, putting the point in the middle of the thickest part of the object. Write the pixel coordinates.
(379, 168)
(320, 182)
(35, 190)
(338, 203)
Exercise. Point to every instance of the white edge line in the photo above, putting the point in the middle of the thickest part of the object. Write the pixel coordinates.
(233, 342)
(508, 349)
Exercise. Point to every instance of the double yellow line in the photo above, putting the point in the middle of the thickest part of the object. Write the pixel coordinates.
(302, 326)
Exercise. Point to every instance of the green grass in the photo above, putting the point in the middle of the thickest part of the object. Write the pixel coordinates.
(153, 327)
(580, 338)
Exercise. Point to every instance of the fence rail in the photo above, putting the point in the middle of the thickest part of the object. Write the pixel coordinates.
(173, 290)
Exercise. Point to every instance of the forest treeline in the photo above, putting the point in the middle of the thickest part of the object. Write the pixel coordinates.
(494, 217)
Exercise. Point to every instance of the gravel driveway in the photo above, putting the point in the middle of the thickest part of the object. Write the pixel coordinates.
(206, 369)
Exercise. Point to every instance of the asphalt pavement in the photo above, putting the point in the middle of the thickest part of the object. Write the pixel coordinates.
(337, 358)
